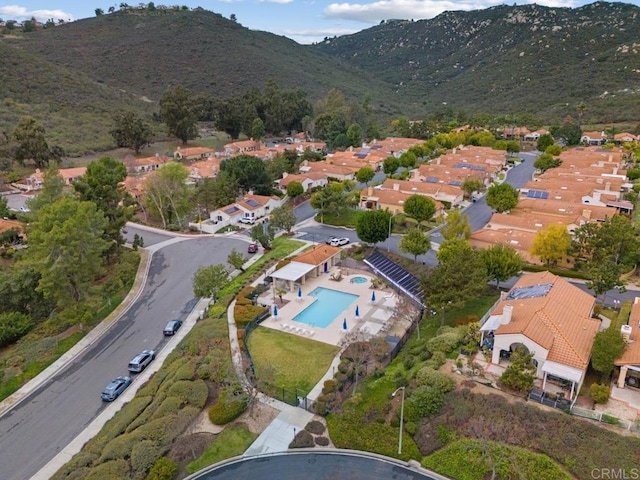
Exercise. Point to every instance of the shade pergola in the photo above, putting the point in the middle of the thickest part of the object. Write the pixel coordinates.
(293, 272)
(565, 372)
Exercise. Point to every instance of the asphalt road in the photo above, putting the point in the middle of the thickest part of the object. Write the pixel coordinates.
(34, 431)
(314, 466)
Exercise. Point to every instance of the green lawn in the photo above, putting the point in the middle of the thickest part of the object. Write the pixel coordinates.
(347, 219)
(476, 306)
(231, 442)
(289, 361)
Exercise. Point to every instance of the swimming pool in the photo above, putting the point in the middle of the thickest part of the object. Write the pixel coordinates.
(326, 307)
(359, 280)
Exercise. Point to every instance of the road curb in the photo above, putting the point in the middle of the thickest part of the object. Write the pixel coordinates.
(136, 290)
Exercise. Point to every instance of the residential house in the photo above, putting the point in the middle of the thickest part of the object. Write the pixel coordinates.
(248, 209)
(593, 138)
(135, 185)
(193, 153)
(8, 225)
(242, 147)
(309, 180)
(553, 320)
(69, 175)
(629, 362)
(520, 240)
(447, 194)
(317, 261)
(145, 164)
(625, 137)
(338, 172)
(202, 169)
(535, 136)
(391, 200)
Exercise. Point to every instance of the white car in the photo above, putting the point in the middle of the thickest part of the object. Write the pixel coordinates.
(338, 242)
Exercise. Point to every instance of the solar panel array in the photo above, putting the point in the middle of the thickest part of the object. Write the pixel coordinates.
(455, 183)
(231, 210)
(538, 194)
(253, 203)
(478, 168)
(397, 275)
(362, 155)
(376, 147)
(531, 291)
(431, 180)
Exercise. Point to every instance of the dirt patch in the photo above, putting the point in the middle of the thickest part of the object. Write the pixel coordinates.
(259, 417)
(187, 448)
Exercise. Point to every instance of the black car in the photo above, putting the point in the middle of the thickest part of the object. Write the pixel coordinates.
(140, 361)
(172, 327)
(115, 388)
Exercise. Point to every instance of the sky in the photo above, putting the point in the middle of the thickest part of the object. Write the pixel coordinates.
(305, 21)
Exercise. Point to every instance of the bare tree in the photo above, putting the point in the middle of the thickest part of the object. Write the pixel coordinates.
(360, 349)
(407, 310)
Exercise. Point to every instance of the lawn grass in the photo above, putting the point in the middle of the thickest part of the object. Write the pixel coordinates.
(346, 219)
(478, 306)
(233, 441)
(289, 361)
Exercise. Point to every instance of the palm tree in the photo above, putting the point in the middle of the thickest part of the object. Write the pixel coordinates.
(581, 108)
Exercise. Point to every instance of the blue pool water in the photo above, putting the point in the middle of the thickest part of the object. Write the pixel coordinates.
(326, 307)
(359, 280)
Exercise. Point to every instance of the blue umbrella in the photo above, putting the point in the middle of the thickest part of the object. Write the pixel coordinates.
(344, 324)
(299, 292)
(373, 296)
(275, 310)
(357, 311)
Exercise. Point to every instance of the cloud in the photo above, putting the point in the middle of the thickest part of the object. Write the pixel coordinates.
(276, 1)
(321, 33)
(374, 12)
(15, 12)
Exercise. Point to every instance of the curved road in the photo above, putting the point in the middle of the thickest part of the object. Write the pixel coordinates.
(315, 466)
(35, 430)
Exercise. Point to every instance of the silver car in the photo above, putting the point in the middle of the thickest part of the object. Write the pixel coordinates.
(140, 361)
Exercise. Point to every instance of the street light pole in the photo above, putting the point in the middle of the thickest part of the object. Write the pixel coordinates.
(401, 418)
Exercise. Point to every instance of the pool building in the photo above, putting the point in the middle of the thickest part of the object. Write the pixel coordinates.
(321, 259)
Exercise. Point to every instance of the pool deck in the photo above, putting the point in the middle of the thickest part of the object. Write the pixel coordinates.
(375, 317)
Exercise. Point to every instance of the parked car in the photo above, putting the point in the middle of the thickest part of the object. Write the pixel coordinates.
(329, 240)
(249, 220)
(115, 388)
(140, 361)
(252, 248)
(172, 327)
(338, 242)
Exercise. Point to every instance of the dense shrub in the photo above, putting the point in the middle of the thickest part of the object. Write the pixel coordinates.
(322, 441)
(169, 406)
(315, 427)
(243, 297)
(411, 428)
(437, 360)
(115, 470)
(423, 401)
(303, 439)
(599, 393)
(163, 469)
(427, 376)
(446, 341)
(329, 386)
(14, 325)
(119, 448)
(245, 313)
(144, 455)
(193, 392)
(119, 423)
(227, 408)
(184, 372)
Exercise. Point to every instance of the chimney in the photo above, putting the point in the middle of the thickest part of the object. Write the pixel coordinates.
(285, 175)
(507, 312)
(625, 331)
(615, 170)
(599, 180)
(611, 157)
(396, 186)
(607, 187)
(370, 191)
(586, 213)
(438, 161)
(596, 196)
(453, 152)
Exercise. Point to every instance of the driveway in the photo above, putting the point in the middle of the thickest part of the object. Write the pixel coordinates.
(35, 430)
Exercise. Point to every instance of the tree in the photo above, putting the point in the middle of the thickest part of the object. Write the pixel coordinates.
(471, 185)
(551, 244)
(257, 129)
(456, 225)
(102, 185)
(66, 244)
(372, 226)
(415, 242)
(502, 262)
(31, 142)
(502, 197)
(571, 133)
(233, 18)
(607, 347)
(294, 189)
(390, 165)
(179, 113)
(360, 350)
(166, 194)
(52, 189)
(208, 281)
(580, 109)
(420, 207)
(130, 131)
(283, 217)
(236, 260)
(354, 134)
(250, 173)
(213, 193)
(99, 12)
(544, 142)
(4, 207)
(331, 199)
(546, 161)
(459, 276)
(604, 276)
(365, 175)
(521, 372)
(263, 234)
(554, 149)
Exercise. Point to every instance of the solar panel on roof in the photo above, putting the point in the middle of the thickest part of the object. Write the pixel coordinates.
(231, 210)
(361, 155)
(538, 194)
(397, 275)
(253, 203)
(431, 180)
(455, 183)
(531, 291)
(376, 147)
(478, 168)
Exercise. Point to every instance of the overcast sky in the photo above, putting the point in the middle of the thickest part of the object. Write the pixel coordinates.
(305, 21)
